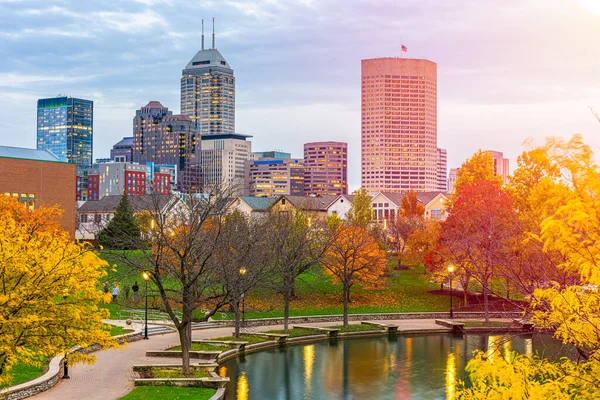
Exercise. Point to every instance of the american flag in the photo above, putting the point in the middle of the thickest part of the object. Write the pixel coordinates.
(404, 48)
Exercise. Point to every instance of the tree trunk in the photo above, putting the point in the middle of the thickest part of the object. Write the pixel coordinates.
(186, 341)
(485, 300)
(346, 299)
(286, 309)
(237, 319)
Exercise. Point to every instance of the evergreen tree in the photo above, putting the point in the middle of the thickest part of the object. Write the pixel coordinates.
(122, 232)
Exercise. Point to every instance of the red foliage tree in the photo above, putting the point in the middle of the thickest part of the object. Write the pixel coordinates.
(479, 230)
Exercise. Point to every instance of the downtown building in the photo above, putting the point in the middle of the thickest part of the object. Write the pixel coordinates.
(270, 176)
(500, 165)
(442, 169)
(208, 91)
(326, 168)
(65, 128)
(122, 151)
(399, 125)
(223, 162)
(162, 138)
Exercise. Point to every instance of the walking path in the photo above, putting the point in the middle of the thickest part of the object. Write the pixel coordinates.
(111, 376)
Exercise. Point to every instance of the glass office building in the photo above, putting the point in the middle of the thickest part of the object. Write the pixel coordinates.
(65, 127)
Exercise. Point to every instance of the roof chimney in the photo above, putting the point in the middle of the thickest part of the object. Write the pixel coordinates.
(213, 46)
(202, 33)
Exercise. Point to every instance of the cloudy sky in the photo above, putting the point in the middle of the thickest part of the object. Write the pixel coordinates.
(508, 70)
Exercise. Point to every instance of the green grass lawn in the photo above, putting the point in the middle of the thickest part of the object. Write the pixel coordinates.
(119, 330)
(316, 294)
(176, 373)
(22, 373)
(204, 347)
(169, 393)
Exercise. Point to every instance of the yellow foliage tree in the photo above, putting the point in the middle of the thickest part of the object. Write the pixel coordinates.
(478, 168)
(354, 256)
(570, 226)
(48, 294)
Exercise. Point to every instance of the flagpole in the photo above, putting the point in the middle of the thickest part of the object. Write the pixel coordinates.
(401, 44)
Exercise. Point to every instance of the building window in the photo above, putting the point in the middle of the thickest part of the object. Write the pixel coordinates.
(84, 218)
(436, 213)
(98, 218)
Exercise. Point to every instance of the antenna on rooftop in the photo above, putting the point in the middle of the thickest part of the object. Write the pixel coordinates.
(213, 46)
(202, 33)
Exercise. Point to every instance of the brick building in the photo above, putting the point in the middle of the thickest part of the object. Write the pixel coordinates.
(38, 178)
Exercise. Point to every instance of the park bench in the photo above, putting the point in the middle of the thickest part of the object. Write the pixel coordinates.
(231, 343)
(279, 337)
(331, 332)
(457, 327)
(389, 328)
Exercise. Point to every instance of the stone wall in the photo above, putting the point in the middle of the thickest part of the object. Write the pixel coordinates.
(373, 317)
(55, 371)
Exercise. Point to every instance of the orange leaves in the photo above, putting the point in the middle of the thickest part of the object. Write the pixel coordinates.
(354, 256)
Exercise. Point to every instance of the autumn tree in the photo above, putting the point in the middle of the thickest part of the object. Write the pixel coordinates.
(181, 260)
(243, 261)
(122, 231)
(478, 230)
(361, 212)
(410, 219)
(569, 224)
(48, 289)
(299, 243)
(353, 256)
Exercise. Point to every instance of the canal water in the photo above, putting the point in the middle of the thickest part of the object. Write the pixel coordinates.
(398, 367)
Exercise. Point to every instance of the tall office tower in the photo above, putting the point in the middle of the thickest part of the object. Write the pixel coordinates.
(399, 125)
(122, 151)
(500, 164)
(65, 126)
(208, 91)
(326, 168)
(452, 178)
(223, 162)
(274, 176)
(163, 138)
(442, 177)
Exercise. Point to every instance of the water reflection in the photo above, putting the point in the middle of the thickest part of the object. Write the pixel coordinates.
(416, 367)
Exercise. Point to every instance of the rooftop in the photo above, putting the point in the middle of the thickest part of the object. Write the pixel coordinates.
(207, 58)
(259, 203)
(27, 154)
(138, 203)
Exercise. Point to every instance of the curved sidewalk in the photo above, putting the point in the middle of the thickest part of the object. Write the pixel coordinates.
(111, 376)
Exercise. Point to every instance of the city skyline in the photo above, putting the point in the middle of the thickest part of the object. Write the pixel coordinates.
(298, 76)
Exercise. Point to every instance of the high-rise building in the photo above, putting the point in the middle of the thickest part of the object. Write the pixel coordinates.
(442, 169)
(273, 154)
(452, 178)
(113, 178)
(223, 162)
(163, 138)
(122, 151)
(399, 125)
(326, 168)
(274, 177)
(208, 91)
(65, 127)
(500, 164)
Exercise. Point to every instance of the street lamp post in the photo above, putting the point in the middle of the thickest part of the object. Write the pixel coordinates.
(146, 277)
(451, 270)
(66, 367)
(243, 273)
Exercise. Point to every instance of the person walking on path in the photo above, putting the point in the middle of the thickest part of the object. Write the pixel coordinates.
(115, 293)
(136, 295)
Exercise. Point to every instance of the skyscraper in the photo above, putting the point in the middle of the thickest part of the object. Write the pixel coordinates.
(65, 127)
(270, 176)
(399, 125)
(442, 175)
(122, 151)
(326, 168)
(208, 91)
(163, 138)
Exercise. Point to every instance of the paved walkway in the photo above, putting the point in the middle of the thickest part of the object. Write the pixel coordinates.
(111, 376)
